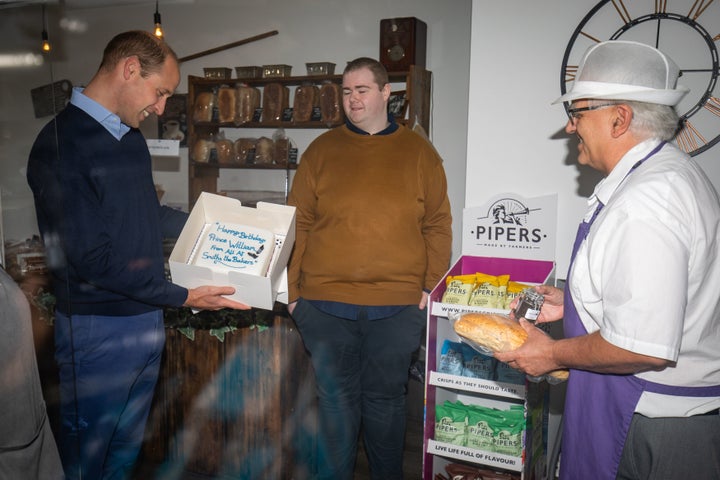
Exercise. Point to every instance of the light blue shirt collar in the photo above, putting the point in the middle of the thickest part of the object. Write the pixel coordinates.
(102, 115)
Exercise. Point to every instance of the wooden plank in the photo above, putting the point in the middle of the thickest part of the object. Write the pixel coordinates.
(227, 46)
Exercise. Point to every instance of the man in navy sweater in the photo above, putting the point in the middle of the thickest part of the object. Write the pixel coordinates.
(102, 225)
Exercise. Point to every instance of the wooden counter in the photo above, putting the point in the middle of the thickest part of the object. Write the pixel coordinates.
(242, 408)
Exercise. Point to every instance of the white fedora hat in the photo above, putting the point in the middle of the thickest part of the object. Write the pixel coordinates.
(622, 70)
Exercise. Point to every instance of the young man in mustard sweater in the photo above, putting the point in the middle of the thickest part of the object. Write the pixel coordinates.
(373, 238)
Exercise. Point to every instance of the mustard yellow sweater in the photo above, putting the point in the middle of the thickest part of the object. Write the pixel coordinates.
(373, 219)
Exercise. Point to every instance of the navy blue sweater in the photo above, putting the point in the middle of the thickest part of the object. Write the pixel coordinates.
(100, 218)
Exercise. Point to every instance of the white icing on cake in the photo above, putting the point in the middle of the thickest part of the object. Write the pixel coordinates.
(230, 247)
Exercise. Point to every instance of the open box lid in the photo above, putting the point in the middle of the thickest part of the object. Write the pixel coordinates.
(254, 290)
(511, 226)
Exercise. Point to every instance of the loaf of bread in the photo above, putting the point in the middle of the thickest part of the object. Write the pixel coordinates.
(495, 333)
(225, 151)
(248, 100)
(203, 107)
(331, 110)
(202, 149)
(242, 147)
(281, 151)
(306, 98)
(275, 100)
(264, 150)
(227, 104)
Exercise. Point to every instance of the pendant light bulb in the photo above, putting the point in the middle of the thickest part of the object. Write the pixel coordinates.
(158, 23)
(45, 41)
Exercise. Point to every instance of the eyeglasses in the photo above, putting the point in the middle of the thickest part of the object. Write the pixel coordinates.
(573, 113)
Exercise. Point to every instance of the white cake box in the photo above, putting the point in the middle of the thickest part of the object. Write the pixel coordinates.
(254, 290)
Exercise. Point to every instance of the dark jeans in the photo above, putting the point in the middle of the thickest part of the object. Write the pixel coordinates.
(105, 399)
(361, 368)
(673, 448)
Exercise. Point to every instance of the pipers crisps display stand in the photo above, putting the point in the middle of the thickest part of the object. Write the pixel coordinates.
(480, 414)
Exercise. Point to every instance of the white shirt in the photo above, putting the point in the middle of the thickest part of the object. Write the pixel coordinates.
(648, 274)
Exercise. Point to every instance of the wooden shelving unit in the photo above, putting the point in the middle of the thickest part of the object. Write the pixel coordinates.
(204, 176)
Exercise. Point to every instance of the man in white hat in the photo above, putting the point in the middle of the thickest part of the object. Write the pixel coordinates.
(641, 306)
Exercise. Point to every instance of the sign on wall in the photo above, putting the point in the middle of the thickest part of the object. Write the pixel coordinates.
(511, 226)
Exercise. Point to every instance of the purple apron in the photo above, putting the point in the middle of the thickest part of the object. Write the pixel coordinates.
(599, 407)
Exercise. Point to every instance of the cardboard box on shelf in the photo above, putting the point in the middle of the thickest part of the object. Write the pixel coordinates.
(532, 272)
(254, 290)
(509, 235)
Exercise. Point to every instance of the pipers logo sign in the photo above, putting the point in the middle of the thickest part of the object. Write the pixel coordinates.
(511, 226)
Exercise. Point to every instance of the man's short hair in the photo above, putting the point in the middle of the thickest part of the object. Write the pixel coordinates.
(150, 50)
(378, 70)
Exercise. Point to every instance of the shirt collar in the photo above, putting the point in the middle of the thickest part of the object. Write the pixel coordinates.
(102, 115)
(392, 126)
(607, 186)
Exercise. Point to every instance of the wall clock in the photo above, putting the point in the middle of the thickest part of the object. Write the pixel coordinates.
(403, 42)
(686, 30)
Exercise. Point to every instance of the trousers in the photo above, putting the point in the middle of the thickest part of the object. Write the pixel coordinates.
(361, 370)
(108, 367)
(672, 448)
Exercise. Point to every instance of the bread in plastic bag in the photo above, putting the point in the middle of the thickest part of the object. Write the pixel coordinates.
(493, 332)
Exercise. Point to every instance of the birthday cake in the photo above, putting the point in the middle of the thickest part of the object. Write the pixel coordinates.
(230, 247)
